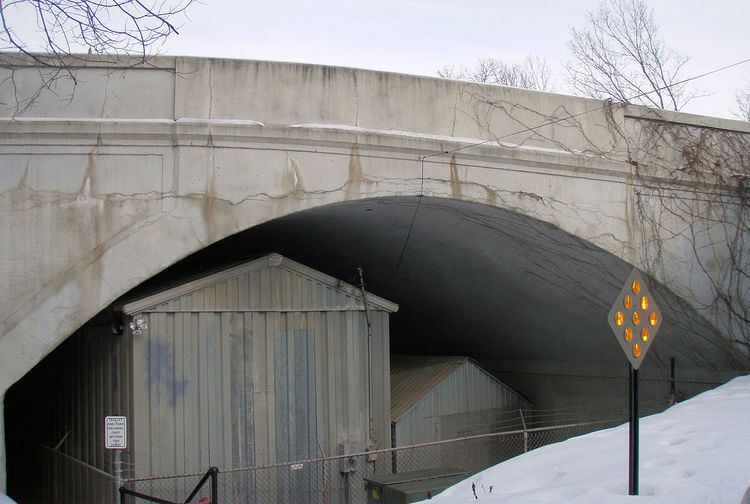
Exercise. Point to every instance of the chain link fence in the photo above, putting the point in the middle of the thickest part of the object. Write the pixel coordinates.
(68, 480)
(342, 479)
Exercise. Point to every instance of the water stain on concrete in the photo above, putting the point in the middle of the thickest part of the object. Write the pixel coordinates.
(491, 196)
(356, 177)
(455, 179)
(292, 180)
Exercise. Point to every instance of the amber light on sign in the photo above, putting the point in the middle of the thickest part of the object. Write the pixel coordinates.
(627, 302)
(628, 334)
(635, 319)
(636, 286)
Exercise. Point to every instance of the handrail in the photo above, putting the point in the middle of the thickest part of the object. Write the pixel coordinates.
(212, 473)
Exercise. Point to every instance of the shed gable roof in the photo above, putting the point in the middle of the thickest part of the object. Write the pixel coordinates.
(268, 262)
(414, 376)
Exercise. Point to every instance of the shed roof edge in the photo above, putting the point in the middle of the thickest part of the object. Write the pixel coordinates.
(270, 260)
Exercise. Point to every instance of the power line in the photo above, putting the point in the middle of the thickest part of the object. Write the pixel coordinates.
(579, 114)
(413, 218)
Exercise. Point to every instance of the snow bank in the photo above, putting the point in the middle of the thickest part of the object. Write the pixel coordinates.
(697, 451)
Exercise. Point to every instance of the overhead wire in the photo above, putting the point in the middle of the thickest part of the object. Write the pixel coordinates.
(413, 219)
(606, 104)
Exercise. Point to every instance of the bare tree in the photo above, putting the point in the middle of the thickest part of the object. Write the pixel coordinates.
(618, 55)
(99, 26)
(531, 73)
(742, 108)
(692, 190)
(67, 31)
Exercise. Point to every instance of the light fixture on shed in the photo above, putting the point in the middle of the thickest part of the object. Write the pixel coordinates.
(137, 326)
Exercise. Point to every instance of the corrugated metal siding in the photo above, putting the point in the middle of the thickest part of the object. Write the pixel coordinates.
(414, 376)
(258, 383)
(438, 414)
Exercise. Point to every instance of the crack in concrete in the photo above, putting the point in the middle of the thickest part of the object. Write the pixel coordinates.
(356, 98)
(210, 91)
(459, 92)
(40, 198)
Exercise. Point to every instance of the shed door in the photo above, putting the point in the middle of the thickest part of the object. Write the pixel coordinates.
(294, 386)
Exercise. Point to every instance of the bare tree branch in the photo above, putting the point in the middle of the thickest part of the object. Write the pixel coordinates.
(708, 213)
(742, 108)
(68, 30)
(531, 73)
(618, 55)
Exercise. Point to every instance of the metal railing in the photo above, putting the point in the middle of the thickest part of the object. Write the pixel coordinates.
(341, 479)
(210, 476)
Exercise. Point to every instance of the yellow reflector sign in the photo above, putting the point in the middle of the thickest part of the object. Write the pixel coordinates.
(635, 318)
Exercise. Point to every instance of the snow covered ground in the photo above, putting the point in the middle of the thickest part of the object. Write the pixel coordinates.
(4, 499)
(697, 451)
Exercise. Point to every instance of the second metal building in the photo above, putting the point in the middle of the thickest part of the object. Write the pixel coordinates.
(434, 398)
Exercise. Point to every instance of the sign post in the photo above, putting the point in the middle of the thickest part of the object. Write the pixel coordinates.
(635, 319)
(633, 430)
(116, 439)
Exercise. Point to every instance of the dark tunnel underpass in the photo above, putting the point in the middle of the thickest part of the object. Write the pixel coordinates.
(522, 297)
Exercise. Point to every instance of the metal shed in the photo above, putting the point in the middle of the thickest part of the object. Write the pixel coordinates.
(434, 398)
(265, 362)
(260, 363)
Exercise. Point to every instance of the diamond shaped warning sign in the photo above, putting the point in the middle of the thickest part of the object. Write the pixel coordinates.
(635, 319)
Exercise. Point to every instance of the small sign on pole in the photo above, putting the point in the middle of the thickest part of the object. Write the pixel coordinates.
(115, 432)
(635, 319)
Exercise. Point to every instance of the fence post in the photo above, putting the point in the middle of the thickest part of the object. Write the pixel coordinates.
(117, 475)
(525, 433)
(214, 484)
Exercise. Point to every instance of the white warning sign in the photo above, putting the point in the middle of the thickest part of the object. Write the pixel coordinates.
(115, 432)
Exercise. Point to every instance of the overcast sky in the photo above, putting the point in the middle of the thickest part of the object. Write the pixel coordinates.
(420, 36)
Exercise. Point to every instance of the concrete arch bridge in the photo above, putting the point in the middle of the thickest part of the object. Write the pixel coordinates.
(503, 221)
